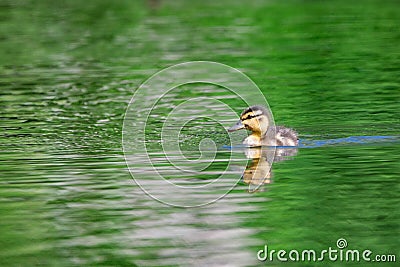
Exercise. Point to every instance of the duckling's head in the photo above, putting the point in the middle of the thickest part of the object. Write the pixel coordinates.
(255, 119)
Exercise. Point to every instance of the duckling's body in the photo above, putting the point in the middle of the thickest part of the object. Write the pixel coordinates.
(256, 119)
(279, 136)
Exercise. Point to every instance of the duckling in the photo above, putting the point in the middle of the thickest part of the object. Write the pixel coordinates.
(256, 119)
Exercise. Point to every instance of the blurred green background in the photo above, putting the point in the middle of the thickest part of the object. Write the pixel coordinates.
(68, 69)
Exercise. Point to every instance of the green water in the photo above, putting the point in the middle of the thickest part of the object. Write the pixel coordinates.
(69, 69)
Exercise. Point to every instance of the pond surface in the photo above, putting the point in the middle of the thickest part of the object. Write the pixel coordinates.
(68, 72)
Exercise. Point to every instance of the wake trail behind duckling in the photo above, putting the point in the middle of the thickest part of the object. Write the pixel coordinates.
(310, 143)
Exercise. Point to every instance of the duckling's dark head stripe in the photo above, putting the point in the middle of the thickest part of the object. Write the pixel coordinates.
(253, 112)
(250, 116)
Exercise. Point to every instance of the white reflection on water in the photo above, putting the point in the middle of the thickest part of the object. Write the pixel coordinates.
(91, 214)
(208, 236)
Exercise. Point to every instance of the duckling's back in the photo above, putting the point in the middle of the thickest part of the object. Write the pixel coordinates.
(285, 136)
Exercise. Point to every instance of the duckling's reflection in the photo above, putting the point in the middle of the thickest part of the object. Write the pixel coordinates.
(259, 171)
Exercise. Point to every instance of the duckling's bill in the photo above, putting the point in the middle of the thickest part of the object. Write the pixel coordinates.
(238, 126)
